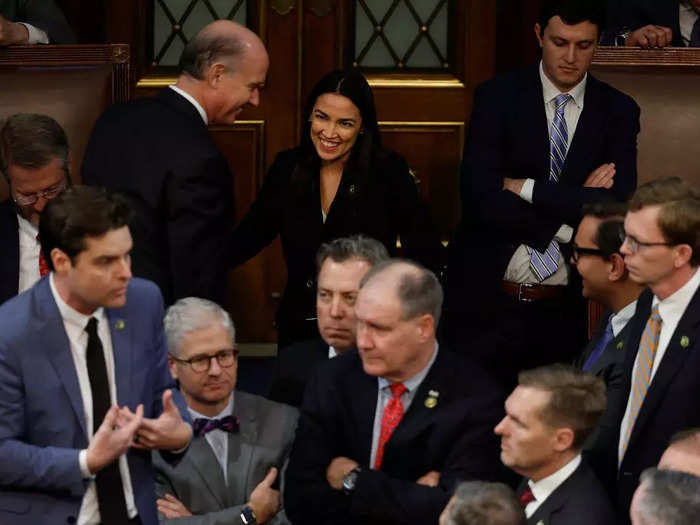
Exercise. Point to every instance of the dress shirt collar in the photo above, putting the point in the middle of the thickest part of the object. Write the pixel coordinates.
(414, 382)
(27, 227)
(550, 91)
(543, 488)
(227, 411)
(72, 317)
(672, 308)
(332, 352)
(620, 319)
(193, 101)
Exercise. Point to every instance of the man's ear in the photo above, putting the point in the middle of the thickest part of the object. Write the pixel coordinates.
(683, 255)
(538, 34)
(617, 269)
(564, 439)
(171, 366)
(426, 327)
(61, 262)
(214, 73)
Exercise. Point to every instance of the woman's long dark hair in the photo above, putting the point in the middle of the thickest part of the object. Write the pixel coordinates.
(351, 84)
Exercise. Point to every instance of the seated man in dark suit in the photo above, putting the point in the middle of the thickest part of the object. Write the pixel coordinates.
(241, 440)
(34, 159)
(683, 453)
(387, 432)
(341, 265)
(605, 280)
(657, 23)
(549, 416)
(666, 497)
(33, 22)
(483, 503)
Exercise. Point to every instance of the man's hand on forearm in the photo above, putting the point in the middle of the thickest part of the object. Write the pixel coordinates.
(431, 479)
(650, 36)
(601, 177)
(12, 33)
(514, 185)
(338, 469)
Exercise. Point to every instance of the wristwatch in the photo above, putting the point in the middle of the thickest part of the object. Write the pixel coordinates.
(248, 516)
(350, 479)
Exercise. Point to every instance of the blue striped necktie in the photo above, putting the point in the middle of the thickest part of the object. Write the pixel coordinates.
(544, 265)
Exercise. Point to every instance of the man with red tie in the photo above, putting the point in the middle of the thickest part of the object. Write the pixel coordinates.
(387, 431)
(34, 159)
(549, 416)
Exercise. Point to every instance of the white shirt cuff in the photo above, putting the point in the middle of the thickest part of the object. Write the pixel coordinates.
(36, 35)
(527, 189)
(84, 470)
(564, 234)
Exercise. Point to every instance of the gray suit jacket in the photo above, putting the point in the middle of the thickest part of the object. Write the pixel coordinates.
(265, 438)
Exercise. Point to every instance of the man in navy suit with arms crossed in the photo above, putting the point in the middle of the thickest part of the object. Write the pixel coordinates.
(84, 383)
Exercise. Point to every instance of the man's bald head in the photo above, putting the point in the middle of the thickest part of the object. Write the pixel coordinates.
(417, 288)
(222, 41)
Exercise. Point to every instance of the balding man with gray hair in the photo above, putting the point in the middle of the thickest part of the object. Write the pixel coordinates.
(666, 497)
(159, 153)
(387, 431)
(483, 503)
(241, 441)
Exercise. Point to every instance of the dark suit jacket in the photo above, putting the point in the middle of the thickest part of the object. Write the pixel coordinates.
(9, 254)
(579, 500)
(42, 14)
(633, 14)
(264, 440)
(455, 438)
(42, 421)
(159, 153)
(508, 137)
(293, 368)
(672, 402)
(382, 204)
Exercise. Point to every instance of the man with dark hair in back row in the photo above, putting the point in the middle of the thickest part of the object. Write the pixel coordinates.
(35, 162)
(158, 152)
(85, 390)
(542, 142)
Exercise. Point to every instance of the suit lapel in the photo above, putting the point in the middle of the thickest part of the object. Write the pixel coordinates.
(242, 446)
(531, 110)
(591, 120)
(363, 391)
(122, 349)
(206, 465)
(683, 342)
(57, 346)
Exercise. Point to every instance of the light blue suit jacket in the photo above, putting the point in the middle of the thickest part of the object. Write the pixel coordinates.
(42, 423)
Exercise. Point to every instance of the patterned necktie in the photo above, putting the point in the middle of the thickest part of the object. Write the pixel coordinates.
(43, 265)
(695, 34)
(544, 265)
(108, 481)
(526, 497)
(202, 425)
(393, 412)
(645, 365)
(600, 347)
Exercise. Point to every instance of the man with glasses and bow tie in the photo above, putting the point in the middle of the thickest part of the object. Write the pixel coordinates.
(661, 382)
(229, 474)
(542, 142)
(35, 161)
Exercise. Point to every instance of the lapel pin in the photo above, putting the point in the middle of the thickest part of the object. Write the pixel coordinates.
(120, 324)
(620, 345)
(540, 522)
(685, 341)
(431, 401)
(351, 189)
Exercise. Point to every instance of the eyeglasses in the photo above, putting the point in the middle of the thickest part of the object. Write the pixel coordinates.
(202, 363)
(634, 244)
(578, 252)
(47, 194)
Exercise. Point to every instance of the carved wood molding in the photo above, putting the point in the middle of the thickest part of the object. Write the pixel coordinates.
(667, 57)
(282, 7)
(321, 8)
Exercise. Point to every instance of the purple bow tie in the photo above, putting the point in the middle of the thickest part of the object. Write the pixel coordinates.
(203, 425)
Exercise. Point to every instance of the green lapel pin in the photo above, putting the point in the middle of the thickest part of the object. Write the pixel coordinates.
(620, 345)
(120, 324)
(685, 341)
(432, 399)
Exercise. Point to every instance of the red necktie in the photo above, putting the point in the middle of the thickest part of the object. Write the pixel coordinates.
(526, 497)
(393, 412)
(43, 265)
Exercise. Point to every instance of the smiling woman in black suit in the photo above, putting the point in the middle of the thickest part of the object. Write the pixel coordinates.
(338, 182)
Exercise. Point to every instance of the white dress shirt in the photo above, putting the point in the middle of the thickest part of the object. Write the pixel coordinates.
(543, 488)
(687, 16)
(217, 438)
(671, 310)
(384, 396)
(332, 352)
(74, 323)
(29, 249)
(36, 35)
(621, 318)
(192, 101)
(518, 269)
